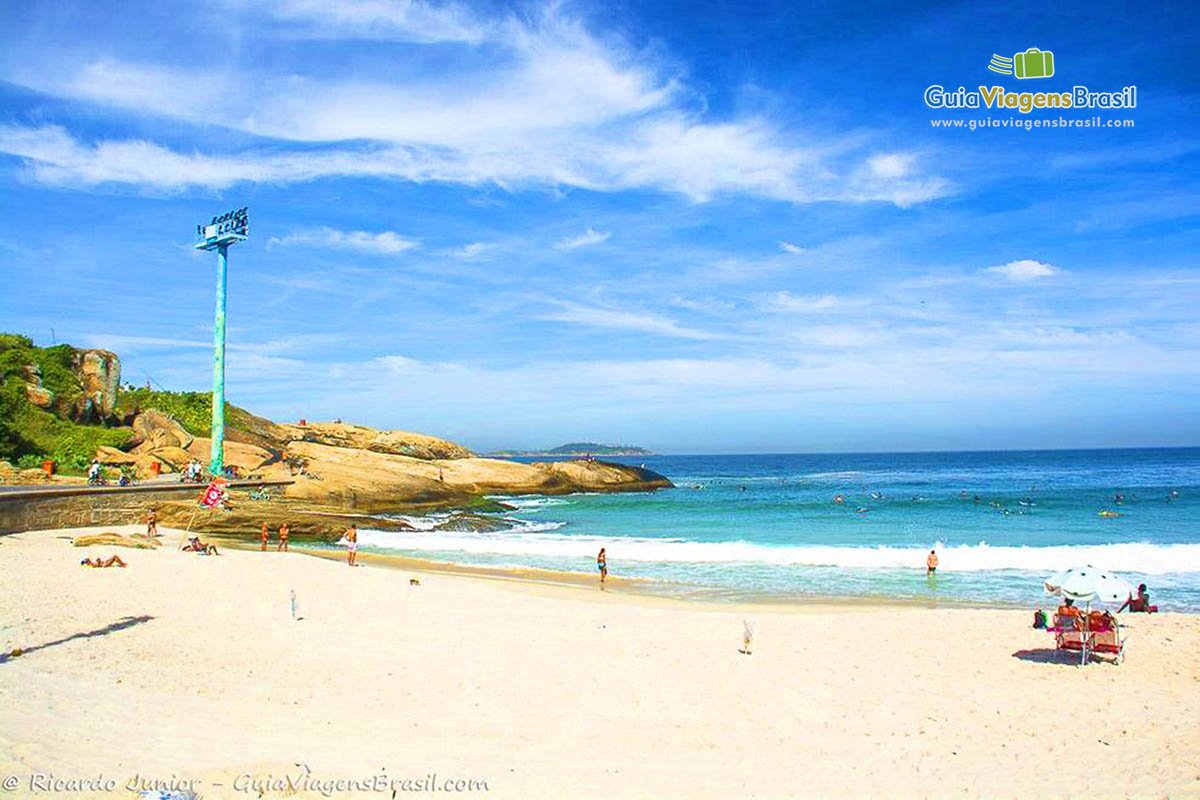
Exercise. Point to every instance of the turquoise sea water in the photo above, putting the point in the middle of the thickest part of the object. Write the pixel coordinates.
(745, 525)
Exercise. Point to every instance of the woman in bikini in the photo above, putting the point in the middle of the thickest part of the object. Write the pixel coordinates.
(602, 565)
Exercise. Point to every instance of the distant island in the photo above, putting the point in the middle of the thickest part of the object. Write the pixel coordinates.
(578, 449)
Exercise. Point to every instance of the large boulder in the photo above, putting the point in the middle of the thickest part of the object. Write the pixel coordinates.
(35, 390)
(99, 374)
(360, 437)
(155, 429)
(142, 462)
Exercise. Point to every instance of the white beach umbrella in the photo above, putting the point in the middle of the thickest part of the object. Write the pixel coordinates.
(1089, 584)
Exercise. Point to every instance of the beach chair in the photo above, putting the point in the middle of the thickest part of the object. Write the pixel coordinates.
(1106, 638)
(1071, 635)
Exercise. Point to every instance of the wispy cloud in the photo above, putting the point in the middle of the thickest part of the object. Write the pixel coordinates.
(1025, 270)
(388, 243)
(474, 251)
(601, 317)
(794, 249)
(588, 237)
(408, 20)
(535, 100)
(807, 304)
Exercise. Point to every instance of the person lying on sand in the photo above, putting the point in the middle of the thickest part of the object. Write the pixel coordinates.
(194, 545)
(114, 561)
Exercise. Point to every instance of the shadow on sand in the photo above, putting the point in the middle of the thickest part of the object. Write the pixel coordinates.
(1049, 655)
(112, 627)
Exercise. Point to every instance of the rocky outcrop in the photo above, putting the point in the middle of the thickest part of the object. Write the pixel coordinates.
(35, 391)
(15, 476)
(244, 520)
(366, 480)
(359, 437)
(364, 469)
(242, 426)
(153, 429)
(99, 374)
(606, 476)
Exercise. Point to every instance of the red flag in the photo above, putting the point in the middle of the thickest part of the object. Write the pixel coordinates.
(214, 495)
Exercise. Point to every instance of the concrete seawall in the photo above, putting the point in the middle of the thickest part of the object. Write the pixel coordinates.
(76, 506)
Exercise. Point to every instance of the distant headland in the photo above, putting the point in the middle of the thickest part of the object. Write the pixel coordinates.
(578, 449)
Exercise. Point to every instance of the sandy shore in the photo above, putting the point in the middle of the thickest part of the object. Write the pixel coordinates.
(185, 668)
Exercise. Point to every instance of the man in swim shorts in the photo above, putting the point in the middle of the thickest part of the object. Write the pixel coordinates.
(931, 562)
(352, 538)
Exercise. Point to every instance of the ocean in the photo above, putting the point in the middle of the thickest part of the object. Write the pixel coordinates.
(767, 526)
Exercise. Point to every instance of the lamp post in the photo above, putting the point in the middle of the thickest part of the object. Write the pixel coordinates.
(224, 230)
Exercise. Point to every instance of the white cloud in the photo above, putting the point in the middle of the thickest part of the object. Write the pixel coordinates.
(891, 165)
(533, 101)
(806, 304)
(794, 249)
(403, 20)
(471, 252)
(1025, 270)
(588, 237)
(599, 317)
(386, 243)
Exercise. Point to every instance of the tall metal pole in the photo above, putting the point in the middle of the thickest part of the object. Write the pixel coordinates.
(217, 461)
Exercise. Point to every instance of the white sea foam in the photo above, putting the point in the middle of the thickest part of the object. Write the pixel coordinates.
(538, 540)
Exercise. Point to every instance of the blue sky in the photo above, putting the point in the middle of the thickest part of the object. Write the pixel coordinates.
(698, 227)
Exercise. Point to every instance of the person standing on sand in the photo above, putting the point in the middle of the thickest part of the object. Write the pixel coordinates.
(931, 562)
(283, 538)
(264, 536)
(352, 538)
(151, 523)
(602, 565)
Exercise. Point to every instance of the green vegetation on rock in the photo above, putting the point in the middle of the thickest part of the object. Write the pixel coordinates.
(29, 433)
(192, 410)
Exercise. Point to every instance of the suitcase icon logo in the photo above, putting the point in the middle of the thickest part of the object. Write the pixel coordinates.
(1033, 63)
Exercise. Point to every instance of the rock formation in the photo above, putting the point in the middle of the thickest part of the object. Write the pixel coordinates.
(399, 443)
(35, 390)
(99, 374)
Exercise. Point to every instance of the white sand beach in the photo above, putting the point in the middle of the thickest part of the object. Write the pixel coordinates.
(190, 668)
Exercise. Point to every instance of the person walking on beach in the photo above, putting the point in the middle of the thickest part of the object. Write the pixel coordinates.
(263, 533)
(352, 538)
(931, 562)
(151, 523)
(602, 565)
(283, 538)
